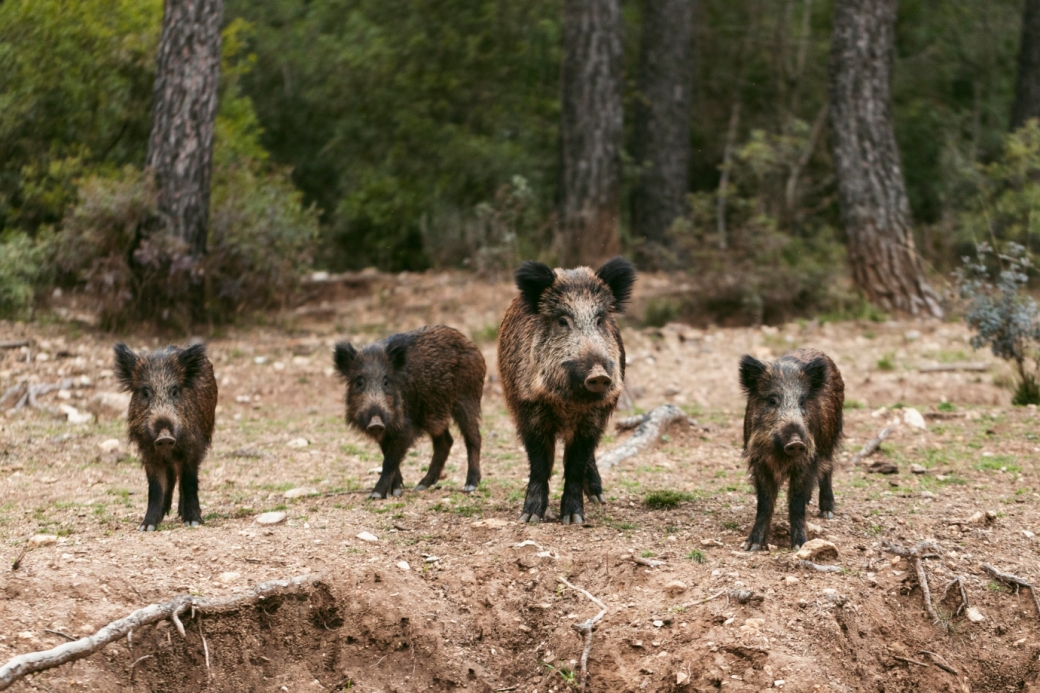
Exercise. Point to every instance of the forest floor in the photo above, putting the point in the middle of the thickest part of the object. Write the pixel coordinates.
(455, 593)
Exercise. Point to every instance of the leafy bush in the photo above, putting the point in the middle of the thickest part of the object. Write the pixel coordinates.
(1002, 315)
(660, 500)
(24, 271)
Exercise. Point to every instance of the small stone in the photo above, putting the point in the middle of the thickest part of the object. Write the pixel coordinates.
(913, 419)
(110, 445)
(779, 683)
(375, 470)
(493, 522)
(912, 335)
(658, 623)
(791, 579)
(367, 536)
(278, 366)
(675, 587)
(403, 565)
(228, 577)
(43, 539)
(243, 399)
(814, 528)
(1027, 534)
(638, 644)
(26, 635)
(75, 416)
(917, 469)
(681, 677)
(815, 549)
(298, 443)
(974, 615)
(271, 518)
(260, 360)
(301, 492)
(927, 494)
(64, 394)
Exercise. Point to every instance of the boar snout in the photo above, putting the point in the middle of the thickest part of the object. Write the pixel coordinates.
(375, 426)
(165, 435)
(597, 380)
(794, 447)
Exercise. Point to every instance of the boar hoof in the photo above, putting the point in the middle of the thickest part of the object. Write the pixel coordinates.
(193, 523)
(528, 517)
(748, 546)
(827, 514)
(421, 487)
(573, 519)
(397, 492)
(469, 488)
(376, 495)
(597, 498)
(146, 528)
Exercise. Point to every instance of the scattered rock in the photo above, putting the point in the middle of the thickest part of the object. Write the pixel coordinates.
(110, 445)
(298, 443)
(779, 683)
(403, 565)
(681, 678)
(882, 467)
(367, 536)
(301, 492)
(917, 469)
(816, 550)
(243, 399)
(913, 419)
(675, 587)
(658, 623)
(229, 577)
(260, 360)
(912, 335)
(43, 539)
(1027, 534)
(813, 528)
(375, 470)
(75, 416)
(974, 615)
(272, 518)
(493, 522)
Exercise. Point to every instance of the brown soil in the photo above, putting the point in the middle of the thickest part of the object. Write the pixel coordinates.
(475, 611)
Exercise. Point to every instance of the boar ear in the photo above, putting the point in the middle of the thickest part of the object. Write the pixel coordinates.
(397, 348)
(619, 274)
(126, 362)
(192, 361)
(343, 356)
(816, 372)
(533, 278)
(751, 372)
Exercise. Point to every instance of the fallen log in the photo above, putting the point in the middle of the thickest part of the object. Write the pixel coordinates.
(872, 445)
(34, 662)
(648, 431)
(958, 366)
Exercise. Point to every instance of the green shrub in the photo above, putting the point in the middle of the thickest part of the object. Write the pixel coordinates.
(660, 500)
(24, 271)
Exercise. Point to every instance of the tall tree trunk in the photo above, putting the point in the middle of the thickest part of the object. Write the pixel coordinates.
(871, 191)
(1027, 86)
(662, 117)
(590, 132)
(180, 147)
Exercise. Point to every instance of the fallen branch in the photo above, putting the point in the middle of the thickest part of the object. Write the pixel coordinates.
(821, 568)
(586, 629)
(18, 561)
(965, 604)
(646, 561)
(872, 445)
(33, 662)
(58, 632)
(939, 662)
(647, 432)
(1013, 580)
(917, 555)
(28, 394)
(16, 344)
(909, 661)
(959, 366)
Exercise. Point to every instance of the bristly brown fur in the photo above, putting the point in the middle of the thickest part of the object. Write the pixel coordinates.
(172, 389)
(797, 399)
(561, 327)
(416, 382)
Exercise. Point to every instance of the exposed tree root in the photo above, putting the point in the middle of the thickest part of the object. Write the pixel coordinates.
(648, 431)
(1013, 580)
(24, 394)
(34, 662)
(821, 568)
(917, 555)
(939, 662)
(586, 628)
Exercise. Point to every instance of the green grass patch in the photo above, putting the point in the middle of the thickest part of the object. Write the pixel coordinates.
(663, 499)
(887, 362)
(697, 556)
(997, 463)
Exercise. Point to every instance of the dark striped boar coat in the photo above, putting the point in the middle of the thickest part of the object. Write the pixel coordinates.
(562, 364)
(792, 427)
(414, 383)
(173, 405)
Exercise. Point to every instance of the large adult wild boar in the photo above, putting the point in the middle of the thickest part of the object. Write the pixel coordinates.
(173, 403)
(792, 427)
(562, 365)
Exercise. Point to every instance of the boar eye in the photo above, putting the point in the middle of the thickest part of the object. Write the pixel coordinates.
(386, 381)
(146, 392)
(175, 391)
(563, 322)
(359, 382)
(599, 321)
(773, 400)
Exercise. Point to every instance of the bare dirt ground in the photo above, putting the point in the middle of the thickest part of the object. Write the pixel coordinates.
(450, 596)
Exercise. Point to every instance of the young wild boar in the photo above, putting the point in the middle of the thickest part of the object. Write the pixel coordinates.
(562, 364)
(792, 426)
(172, 405)
(410, 383)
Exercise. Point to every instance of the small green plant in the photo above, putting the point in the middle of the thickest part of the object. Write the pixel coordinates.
(946, 406)
(697, 556)
(854, 404)
(660, 311)
(660, 500)
(886, 363)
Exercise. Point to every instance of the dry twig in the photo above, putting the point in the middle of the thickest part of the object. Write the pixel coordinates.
(646, 561)
(648, 431)
(872, 445)
(821, 568)
(586, 628)
(33, 662)
(909, 661)
(58, 632)
(21, 554)
(1013, 580)
(917, 555)
(965, 604)
(939, 662)
(16, 344)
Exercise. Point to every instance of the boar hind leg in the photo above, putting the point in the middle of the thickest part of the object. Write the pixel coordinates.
(188, 503)
(157, 493)
(540, 451)
(577, 457)
(766, 490)
(469, 424)
(393, 453)
(441, 448)
(798, 496)
(826, 497)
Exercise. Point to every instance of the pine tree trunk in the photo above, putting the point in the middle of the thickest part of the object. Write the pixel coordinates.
(662, 117)
(180, 146)
(871, 192)
(590, 133)
(1027, 86)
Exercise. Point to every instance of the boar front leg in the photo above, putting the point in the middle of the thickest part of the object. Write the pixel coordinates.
(188, 503)
(390, 478)
(157, 493)
(577, 457)
(798, 495)
(826, 497)
(541, 448)
(766, 490)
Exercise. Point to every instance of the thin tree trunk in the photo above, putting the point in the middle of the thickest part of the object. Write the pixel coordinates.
(180, 146)
(871, 192)
(1027, 86)
(662, 117)
(727, 164)
(590, 132)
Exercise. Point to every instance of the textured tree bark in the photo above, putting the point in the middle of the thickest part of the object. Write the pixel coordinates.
(589, 204)
(1027, 85)
(871, 192)
(180, 147)
(662, 117)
